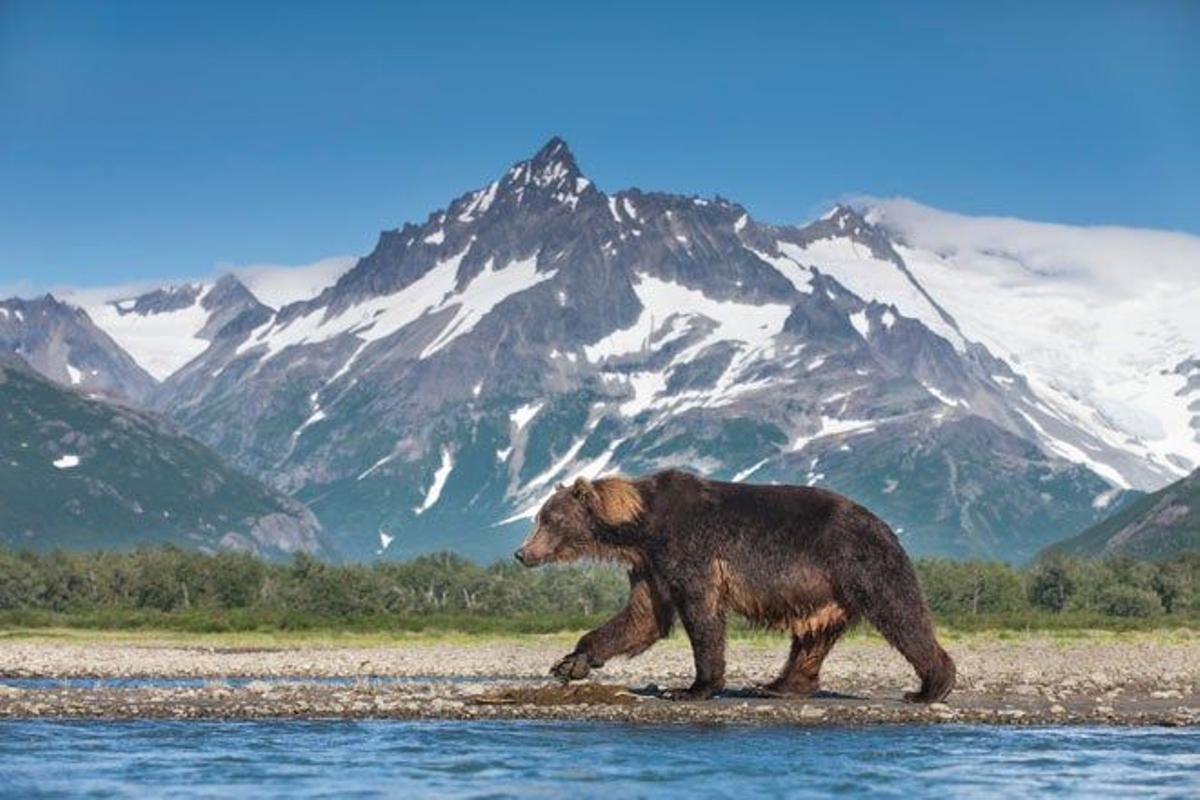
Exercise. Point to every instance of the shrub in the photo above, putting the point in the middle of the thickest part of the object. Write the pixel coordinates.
(1050, 584)
(1122, 600)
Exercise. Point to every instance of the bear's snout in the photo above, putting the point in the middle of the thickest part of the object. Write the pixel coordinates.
(530, 556)
(538, 548)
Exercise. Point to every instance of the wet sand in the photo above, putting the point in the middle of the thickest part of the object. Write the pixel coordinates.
(1127, 680)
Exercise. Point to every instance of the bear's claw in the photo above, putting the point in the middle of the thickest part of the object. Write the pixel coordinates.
(573, 667)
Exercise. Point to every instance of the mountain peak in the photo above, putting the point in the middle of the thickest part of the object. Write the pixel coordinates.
(229, 281)
(846, 218)
(229, 289)
(552, 167)
(554, 151)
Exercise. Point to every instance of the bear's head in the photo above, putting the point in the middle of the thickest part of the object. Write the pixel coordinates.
(574, 522)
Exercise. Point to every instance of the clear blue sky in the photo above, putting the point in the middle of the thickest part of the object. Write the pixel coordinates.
(145, 140)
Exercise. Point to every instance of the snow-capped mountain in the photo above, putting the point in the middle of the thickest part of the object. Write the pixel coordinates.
(988, 386)
(538, 328)
(165, 328)
(1100, 321)
(162, 328)
(60, 341)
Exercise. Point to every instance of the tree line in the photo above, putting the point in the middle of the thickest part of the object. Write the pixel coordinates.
(229, 591)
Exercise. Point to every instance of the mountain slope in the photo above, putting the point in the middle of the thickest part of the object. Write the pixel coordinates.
(61, 342)
(166, 328)
(1099, 321)
(76, 472)
(1159, 525)
(537, 329)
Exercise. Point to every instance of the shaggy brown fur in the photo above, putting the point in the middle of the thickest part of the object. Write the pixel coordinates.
(795, 558)
(616, 501)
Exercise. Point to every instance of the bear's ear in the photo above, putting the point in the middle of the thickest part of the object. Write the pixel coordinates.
(582, 488)
(583, 491)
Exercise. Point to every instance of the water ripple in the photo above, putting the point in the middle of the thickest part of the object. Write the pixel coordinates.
(546, 759)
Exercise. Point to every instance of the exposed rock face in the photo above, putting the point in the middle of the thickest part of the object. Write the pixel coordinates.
(291, 530)
(61, 342)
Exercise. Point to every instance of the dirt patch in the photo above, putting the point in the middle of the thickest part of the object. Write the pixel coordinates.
(588, 694)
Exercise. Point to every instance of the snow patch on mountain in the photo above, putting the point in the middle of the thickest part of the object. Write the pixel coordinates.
(159, 341)
(1096, 319)
(486, 291)
(440, 476)
(861, 324)
(521, 416)
(602, 464)
(369, 320)
(645, 387)
(316, 416)
(553, 471)
(797, 274)
(750, 470)
(857, 268)
(664, 303)
(829, 426)
(944, 398)
(480, 202)
(162, 334)
(1076, 454)
(381, 316)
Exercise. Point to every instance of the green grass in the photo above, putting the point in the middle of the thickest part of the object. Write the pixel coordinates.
(215, 627)
(1049, 622)
(248, 621)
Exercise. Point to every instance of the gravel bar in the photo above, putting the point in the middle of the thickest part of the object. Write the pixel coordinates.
(1026, 681)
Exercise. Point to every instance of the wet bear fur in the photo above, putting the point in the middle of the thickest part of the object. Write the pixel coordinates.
(801, 559)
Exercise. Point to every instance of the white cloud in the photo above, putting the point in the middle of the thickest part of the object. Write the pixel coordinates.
(275, 285)
(92, 296)
(22, 287)
(1110, 258)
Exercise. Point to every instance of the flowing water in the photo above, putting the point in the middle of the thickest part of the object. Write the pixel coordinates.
(548, 759)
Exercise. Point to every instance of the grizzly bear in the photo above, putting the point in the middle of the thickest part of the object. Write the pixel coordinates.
(801, 559)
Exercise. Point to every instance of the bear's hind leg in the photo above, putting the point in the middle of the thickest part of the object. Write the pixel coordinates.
(801, 675)
(899, 613)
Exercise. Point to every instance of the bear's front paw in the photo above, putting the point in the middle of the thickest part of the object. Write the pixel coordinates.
(571, 668)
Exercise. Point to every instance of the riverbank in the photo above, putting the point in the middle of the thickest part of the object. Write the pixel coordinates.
(1029, 679)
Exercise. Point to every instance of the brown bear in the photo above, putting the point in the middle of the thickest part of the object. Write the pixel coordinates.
(801, 559)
